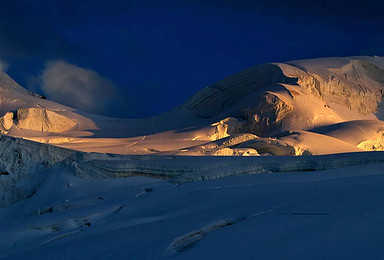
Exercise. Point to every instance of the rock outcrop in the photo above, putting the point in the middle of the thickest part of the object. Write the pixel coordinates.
(36, 119)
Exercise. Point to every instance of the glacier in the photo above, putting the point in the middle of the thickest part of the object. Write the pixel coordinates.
(282, 160)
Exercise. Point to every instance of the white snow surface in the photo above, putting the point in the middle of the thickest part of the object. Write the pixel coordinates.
(335, 213)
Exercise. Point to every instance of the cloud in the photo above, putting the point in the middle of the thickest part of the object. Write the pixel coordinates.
(3, 66)
(79, 88)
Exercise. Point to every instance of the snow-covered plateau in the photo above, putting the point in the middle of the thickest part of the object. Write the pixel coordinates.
(283, 160)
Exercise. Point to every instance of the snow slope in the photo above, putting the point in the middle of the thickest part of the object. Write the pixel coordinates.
(308, 215)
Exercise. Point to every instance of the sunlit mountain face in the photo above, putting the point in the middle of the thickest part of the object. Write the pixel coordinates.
(319, 106)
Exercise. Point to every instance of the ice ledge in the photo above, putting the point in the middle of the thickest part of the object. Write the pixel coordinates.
(24, 165)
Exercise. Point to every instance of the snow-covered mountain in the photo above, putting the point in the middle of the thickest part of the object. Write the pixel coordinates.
(80, 186)
(319, 106)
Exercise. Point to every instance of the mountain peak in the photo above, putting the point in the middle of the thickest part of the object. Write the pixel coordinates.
(317, 106)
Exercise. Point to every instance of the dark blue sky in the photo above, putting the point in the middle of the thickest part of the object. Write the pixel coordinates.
(159, 53)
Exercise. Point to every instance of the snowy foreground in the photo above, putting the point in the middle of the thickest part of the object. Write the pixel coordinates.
(287, 208)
